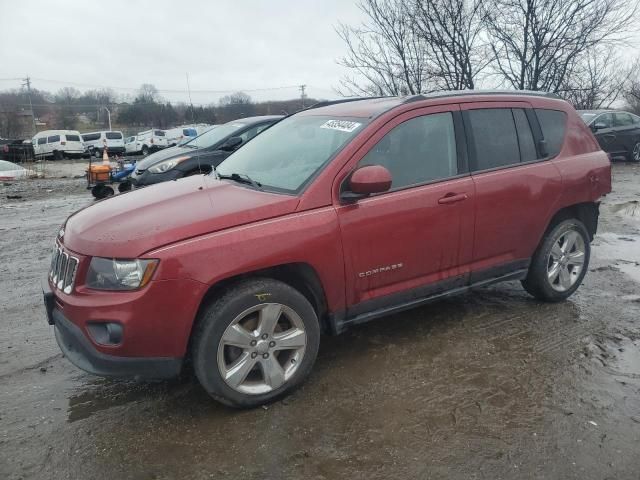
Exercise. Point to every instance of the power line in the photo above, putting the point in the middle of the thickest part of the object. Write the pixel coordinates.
(134, 89)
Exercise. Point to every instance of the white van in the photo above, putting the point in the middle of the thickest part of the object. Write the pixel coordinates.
(178, 135)
(150, 141)
(58, 144)
(131, 145)
(95, 142)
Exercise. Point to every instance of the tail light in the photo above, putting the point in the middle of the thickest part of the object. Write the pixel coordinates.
(63, 143)
(151, 141)
(5, 148)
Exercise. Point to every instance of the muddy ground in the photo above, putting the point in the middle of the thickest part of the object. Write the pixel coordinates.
(488, 385)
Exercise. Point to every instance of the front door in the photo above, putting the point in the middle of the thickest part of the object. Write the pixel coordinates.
(413, 240)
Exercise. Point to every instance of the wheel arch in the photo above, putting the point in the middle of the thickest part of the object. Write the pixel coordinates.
(300, 275)
(586, 212)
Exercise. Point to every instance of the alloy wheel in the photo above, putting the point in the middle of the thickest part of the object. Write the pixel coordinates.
(262, 348)
(636, 152)
(566, 260)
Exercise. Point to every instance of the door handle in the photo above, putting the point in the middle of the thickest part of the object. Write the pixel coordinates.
(452, 198)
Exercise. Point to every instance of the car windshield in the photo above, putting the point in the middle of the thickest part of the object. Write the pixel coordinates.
(587, 117)
(287, 155)
(213, 136)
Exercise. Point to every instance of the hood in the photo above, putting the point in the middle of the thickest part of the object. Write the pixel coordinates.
(163, 154)
(130, 224)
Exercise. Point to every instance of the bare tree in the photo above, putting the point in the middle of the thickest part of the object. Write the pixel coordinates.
(384, 54)
(148, 93)
(537, 43)
(632, 95)
(598, 79)
(451, 31)
(237, 98)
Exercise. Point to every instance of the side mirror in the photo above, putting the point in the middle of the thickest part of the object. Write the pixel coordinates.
(366, 181)
(231, 144)
(598, 126)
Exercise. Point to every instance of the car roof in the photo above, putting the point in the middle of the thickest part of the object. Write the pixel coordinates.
(374, 106)
(56, 132)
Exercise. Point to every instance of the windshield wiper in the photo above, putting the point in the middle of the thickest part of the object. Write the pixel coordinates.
(189, 146)
(240, 178)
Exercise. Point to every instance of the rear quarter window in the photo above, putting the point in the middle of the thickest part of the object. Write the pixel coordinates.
(159, 133)
(73, 138)
(113, 135)
(553, 124)
(53, 139)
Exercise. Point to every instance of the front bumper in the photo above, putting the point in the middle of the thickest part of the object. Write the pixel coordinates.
(82, 353)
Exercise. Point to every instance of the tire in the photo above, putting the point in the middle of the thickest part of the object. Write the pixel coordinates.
(97, 153)
(555, 271)
(145, 150)
(102, 191)
(57, 155)
(634, 156)
(244, 313)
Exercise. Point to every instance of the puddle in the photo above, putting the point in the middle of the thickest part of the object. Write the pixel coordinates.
(627, 209)
(622, 250)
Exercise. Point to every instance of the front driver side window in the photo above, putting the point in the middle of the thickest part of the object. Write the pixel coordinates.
(604, 121)
(420, 150)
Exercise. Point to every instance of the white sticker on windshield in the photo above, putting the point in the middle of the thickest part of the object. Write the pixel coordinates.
(342, 125)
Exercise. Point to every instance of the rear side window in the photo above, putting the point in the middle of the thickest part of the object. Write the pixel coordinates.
(42, 140)
(159, 133)
(494, 137)
(113, 135)
(553, 124)
(525, 136)
(53, 139)
(622, 120)
(417, 151)
(73, 138)
(89, 137)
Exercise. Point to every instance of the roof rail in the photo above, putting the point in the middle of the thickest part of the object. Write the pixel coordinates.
(460, 93)
(325, 103)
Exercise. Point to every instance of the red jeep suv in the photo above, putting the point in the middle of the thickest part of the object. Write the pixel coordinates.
(339, 214)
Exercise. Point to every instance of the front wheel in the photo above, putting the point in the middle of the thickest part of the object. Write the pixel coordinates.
(145, 150)
(635, 153)
(255, 343)
(560, 263)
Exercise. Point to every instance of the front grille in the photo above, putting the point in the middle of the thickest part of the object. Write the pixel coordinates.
(63, 269)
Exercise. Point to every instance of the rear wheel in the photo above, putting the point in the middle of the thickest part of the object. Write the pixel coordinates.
(560, 263)
(58, 155)
(145, 150)
(256, 343)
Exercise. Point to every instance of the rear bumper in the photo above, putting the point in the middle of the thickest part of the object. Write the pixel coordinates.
(82, 352)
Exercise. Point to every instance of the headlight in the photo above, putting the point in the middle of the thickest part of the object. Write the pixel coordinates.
(167, 165)
(114, 274)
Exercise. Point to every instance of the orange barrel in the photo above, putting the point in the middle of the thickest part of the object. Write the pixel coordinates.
(99, 173)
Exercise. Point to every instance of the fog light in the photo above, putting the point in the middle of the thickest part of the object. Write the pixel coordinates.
(108, 333)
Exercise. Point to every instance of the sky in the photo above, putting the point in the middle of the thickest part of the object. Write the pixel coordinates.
(223, 46)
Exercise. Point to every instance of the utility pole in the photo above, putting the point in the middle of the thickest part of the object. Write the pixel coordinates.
(27, 83)
(302, 94)
(109, 115)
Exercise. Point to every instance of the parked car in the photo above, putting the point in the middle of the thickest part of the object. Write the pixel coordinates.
(178, 135)
(131, 145)
(58, 144)
(201, 154)
(618, 133)
(149, 141)
(16, 150)
(339, 214)
(12, 171)
(96, 142)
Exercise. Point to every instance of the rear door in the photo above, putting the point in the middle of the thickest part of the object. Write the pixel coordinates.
(412, 241)
(516, 188)
(627, 132)
(73, 143)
